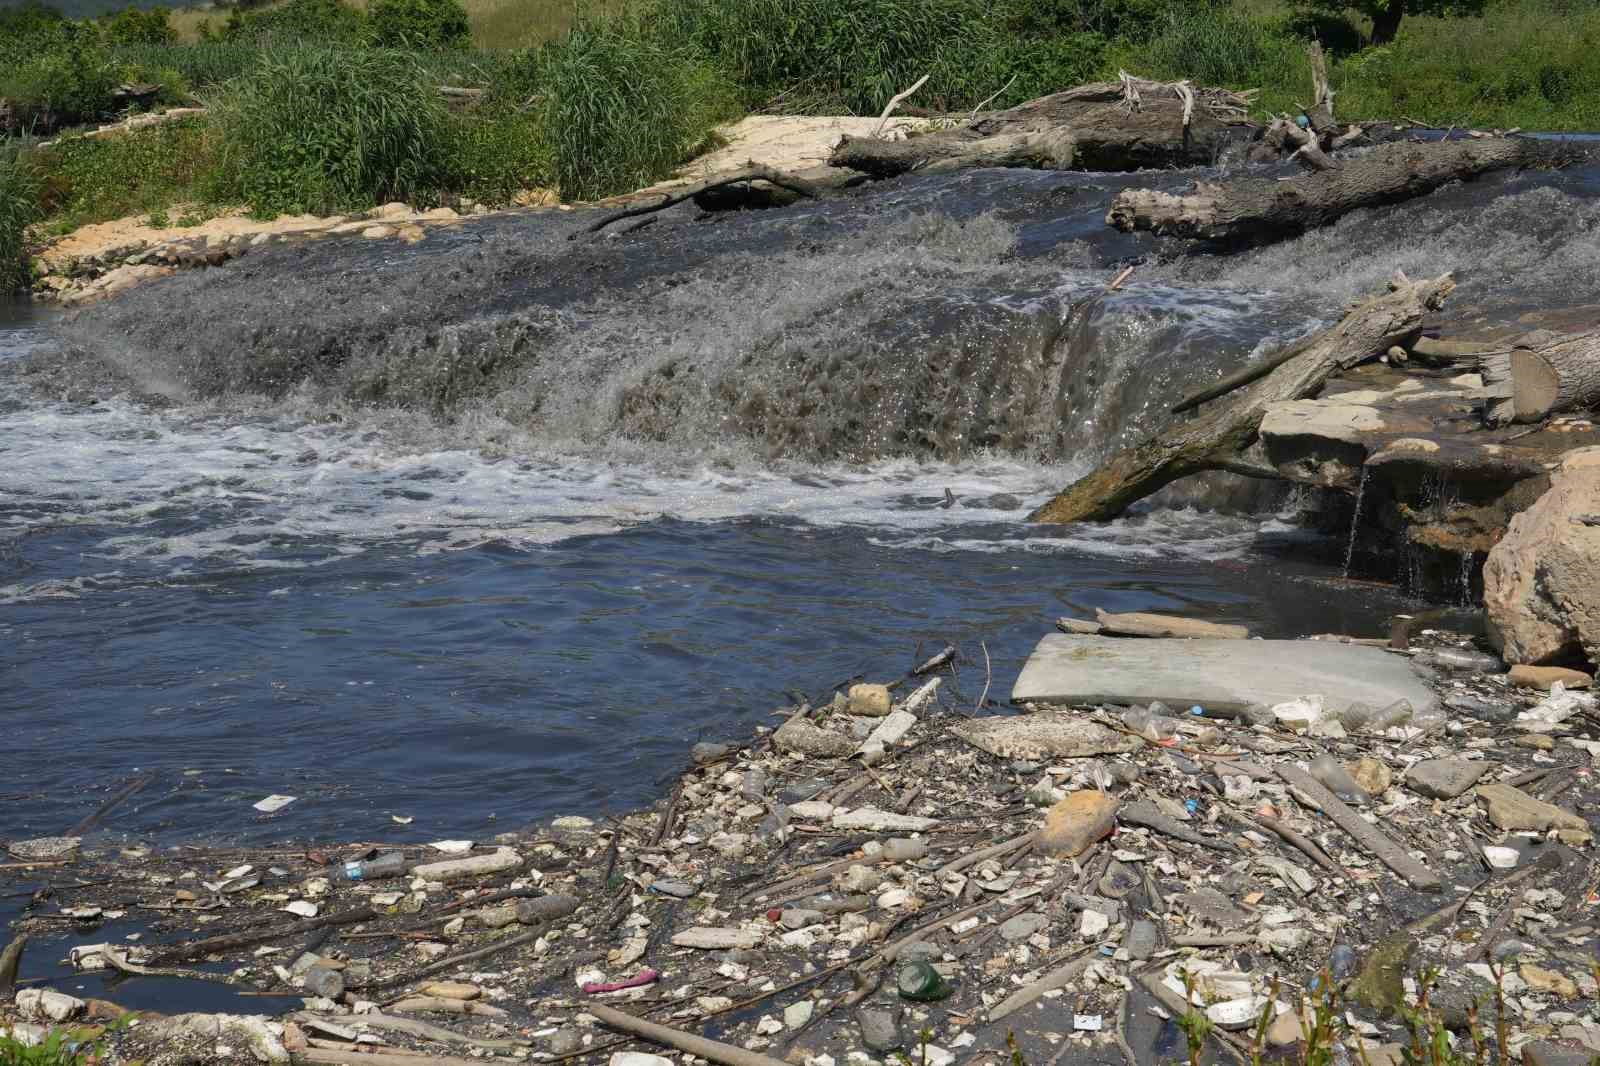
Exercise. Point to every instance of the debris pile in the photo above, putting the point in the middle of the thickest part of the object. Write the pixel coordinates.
(888, 872)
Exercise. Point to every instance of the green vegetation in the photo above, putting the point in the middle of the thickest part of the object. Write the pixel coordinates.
(18, 209)
(58, 1048)
(333, 105)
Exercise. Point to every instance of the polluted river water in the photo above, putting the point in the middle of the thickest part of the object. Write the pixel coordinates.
(494, 528)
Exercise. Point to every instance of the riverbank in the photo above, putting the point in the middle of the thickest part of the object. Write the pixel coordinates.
(889, 871)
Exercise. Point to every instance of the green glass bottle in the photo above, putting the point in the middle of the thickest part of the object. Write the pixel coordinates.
(920, 982)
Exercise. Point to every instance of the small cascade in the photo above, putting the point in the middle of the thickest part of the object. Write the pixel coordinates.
(1466, 578)
(1355, 521)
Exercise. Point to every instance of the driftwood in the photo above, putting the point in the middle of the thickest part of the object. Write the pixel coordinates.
(10, 960)
(1218, 439)
(710, 1050)
(798, 186)
(1123, 125)
(1364, 832)
(216, 945)
(1262, 208)
(1541, 374)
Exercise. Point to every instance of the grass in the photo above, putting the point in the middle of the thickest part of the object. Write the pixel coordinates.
(18, 209)
(99, 179)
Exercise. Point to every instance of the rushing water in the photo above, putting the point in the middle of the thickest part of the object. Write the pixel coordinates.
(494, 528)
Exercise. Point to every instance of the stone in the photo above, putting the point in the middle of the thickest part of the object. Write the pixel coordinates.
(873, 700)
(497, 917)
(1511, 809)
(707, 752)
(44, 849)
(1373, 775)
(1045, 735)
(1284, 942)
(798, 1014)
(1541, 582)
(1444, 778)
(1220, 674)
(800, 918)
(546, 908)
(1550, 1053)
(713, 938)
(1077, 822)
(812, 810)
(858, 879)
(1380, 986)
(1536, 741)
(450, 990)
(1285, 1031)
(564, 1042)
(1213, 909)
(377, 233)
(902, 849)
(1542, 980)
(1501, 858)
(1092, 923)
(802, 737)
(1542, 677)
(1022, 926)
(1141, 940)
(47, 1005)
(495, 862)
(879, 1030)
(639, 1058)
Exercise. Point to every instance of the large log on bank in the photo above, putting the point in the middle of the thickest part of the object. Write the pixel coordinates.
(1256, 208)
(1219, 438)
(1541, 374)
(1125, 125)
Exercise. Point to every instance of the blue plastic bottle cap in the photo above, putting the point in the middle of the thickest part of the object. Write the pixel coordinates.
(352, 870)
(1197, 710)
(1191, 805)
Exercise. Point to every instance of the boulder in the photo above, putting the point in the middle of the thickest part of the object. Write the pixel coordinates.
(1542, 581)
(1444, 778)
(1512, 809)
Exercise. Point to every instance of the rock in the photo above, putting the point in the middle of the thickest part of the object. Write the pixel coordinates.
(1511, 808)
(800, 918)
(1077, 822)
(1380, 986)
(798, 1014)
(1542, 677)
(639, 1058)
(497, 917)
(873, 700)
(902, 849)
(1219, 674)
(47, 1005)
(1550, 1053)
(707, 752)
(564, 1042)
(495, 862)
(1501, 858)
(1284, 942)
(546, 909)
(1285, 1030)
(44, 849)
(1373, 775)
(871, 818)
(1536, 741)
(377, 233)
(879, 1030)
(1046, 735)
(811, 810)
(1092, 923)
(1022, 926)
(1236, 1013)
(450, 990)
(712, 938)
(858, 879)
(257, 1033)
(393, 209)
(1141, 940)
(1213, 909)
(1541, 582)
(1444, 778)
(801, 737)
(1542, 980)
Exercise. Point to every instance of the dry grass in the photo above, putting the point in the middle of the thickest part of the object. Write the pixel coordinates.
(496, 24)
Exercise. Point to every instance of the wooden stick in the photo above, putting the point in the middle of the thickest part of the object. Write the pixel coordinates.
(342, 1057)
(455, 960)
(1364, 832)
(767, 174)
(1061, 976)
(711, 1050)
(896, 101)
(1240, 378)
(972, 858)
(414, 1027)
(215, 945)
(1307, 847)
(105, 808)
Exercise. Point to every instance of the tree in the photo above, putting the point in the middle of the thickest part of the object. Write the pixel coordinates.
(1386, 15)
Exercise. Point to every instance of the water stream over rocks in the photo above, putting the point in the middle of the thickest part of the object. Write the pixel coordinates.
(495, 527)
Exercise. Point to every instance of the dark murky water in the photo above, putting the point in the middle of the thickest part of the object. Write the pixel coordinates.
(495, 529)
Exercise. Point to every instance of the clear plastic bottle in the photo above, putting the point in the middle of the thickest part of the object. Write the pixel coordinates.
(1397, 713)
(389, 864)
(1336, 779)
(1150, 724)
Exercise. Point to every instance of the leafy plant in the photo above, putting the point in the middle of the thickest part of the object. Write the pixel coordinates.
(324, 130)
(58, 1048)
(322, 22)
(18, 209)
(419, 24)
(1195, 1024)
(133, 26)
(97, 179)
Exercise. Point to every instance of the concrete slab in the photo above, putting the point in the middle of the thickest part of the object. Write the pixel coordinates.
(1225, 674)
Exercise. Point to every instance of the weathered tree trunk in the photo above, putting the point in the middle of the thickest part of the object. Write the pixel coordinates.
(1108, 126)
(1541, 374)
(1386, 21)
(1257, 208)
(1218, 439)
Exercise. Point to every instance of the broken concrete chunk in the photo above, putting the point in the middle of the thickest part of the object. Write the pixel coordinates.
(1444, 778)
(882, 821)
(1542, 677)
(1511, 808)
(890, 731)
(714, 938)
(873, 700)
(1213, 908)
(473, 866)
(1077, 822)
(1166, 625)
(44, 1004)
(1046, 735)
(44, 849)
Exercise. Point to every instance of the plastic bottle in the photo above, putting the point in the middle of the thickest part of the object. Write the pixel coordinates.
(389, 864)
(1337, 779)
(1150, 724)
(321, 981)
(1397, 713)
(921, 983)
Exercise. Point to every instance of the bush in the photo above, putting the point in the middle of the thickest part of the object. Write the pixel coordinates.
(101, 178)
(1226, 48)
(622, 107)
(66, 76)
(132, 26)
(419, 24)
(18, 210)
(27, 24)
(312, 21)
(200, 65)
(323, 130)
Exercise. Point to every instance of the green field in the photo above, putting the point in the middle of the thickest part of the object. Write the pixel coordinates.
(327, 105)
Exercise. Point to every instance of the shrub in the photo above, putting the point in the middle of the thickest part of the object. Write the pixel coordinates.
(313, 21)
(18, 209)
(199, 65)
(419, 24)
(132, 26)
(95, 179)
(29, 23)
(323, 130)
(622, 107)
(66, 76)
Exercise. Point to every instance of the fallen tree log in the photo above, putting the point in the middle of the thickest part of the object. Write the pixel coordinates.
(1219, 439)
(1124, 125)
(1263, 208)
(1541, 374)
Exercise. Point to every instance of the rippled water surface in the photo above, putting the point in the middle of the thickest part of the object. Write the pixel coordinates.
(495, 529)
